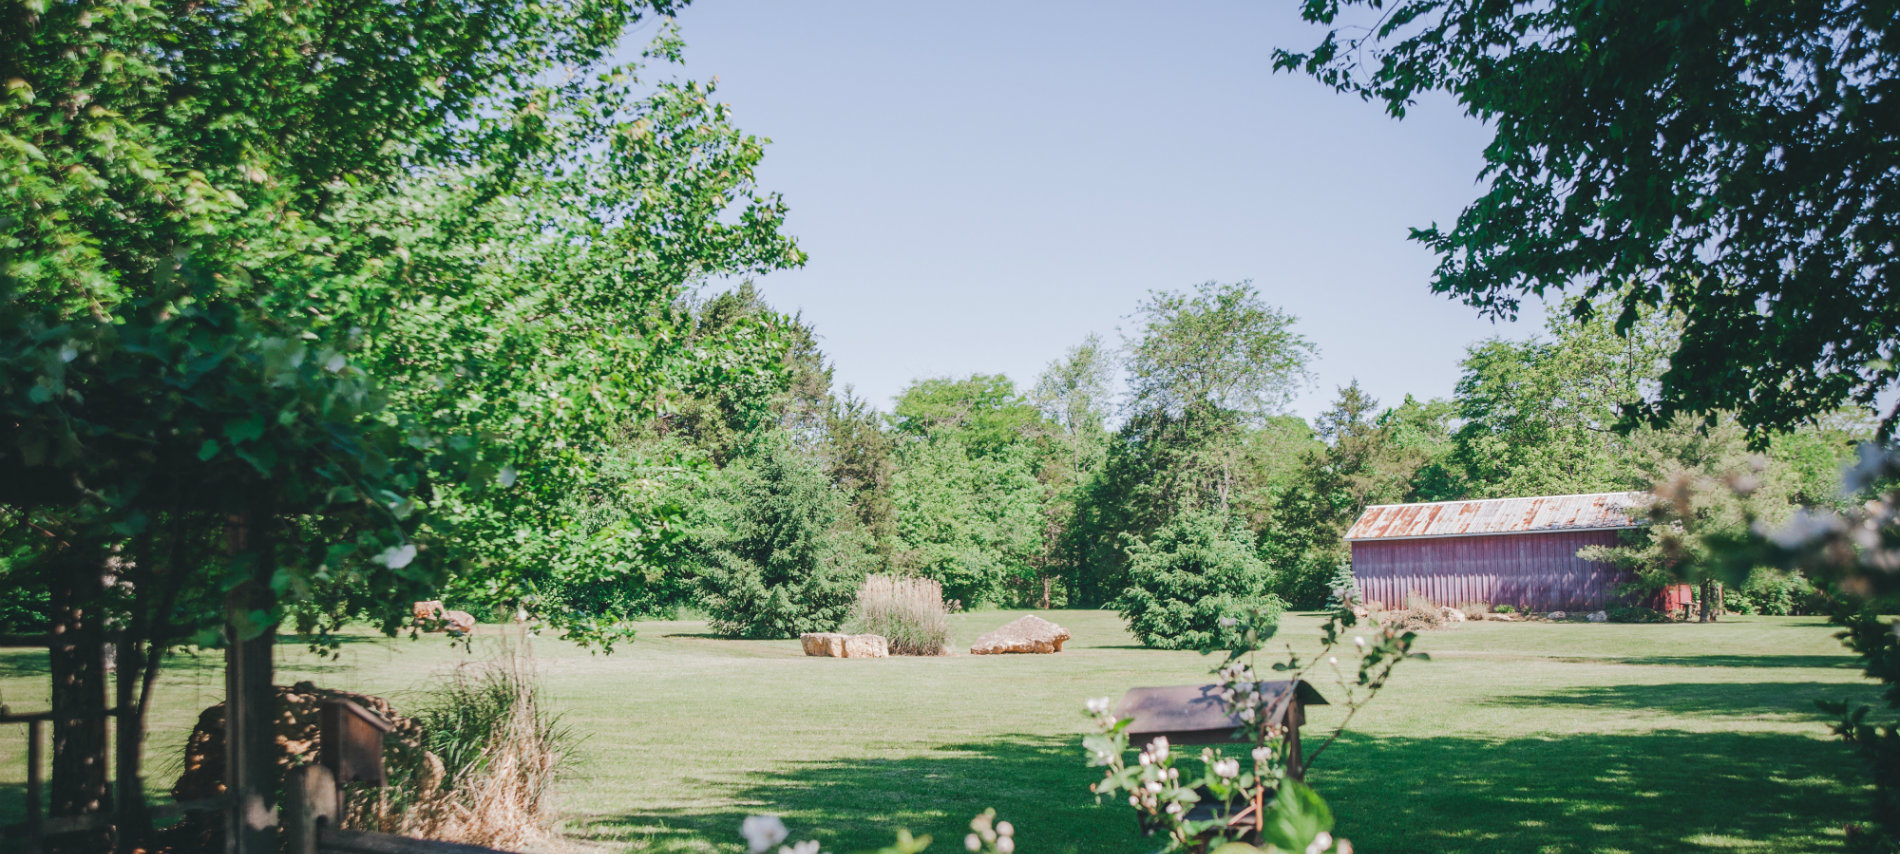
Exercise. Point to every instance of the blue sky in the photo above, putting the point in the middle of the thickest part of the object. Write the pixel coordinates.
(980, 185)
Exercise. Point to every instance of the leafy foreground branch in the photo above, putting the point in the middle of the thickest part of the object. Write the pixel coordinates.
(1262, 810)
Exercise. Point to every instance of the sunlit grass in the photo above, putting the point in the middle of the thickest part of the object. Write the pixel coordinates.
(1516, 738)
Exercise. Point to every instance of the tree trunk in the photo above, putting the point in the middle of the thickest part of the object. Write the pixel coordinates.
(76, 662)
(249, 705)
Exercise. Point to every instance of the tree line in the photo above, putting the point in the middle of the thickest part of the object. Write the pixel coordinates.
(1160, 474)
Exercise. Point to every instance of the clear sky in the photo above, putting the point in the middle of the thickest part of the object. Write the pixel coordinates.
(982, 184)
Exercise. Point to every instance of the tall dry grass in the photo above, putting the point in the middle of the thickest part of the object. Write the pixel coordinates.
(492, 751)
(908, 611)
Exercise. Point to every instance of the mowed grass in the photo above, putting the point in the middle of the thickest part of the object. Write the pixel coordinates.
(1515, 738)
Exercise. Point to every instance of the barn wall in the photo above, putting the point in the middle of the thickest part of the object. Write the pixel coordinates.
(1538, 572)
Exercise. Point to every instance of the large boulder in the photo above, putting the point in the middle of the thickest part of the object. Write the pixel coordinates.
(837, 645)
(1598, 616)
(1029, 634)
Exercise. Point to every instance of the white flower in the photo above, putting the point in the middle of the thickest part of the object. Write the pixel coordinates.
(1154, 785)
(1227, 768)
(1004, 845)
(974, 844)
(1342, 847)
(1098, 706)
(1160, 747)
(1174, 808)
(809, 846)
(1872, 463)
(1228, 622)
(1246, 714)
(761, 832)
(1004, 828)
(1261, 754)
(1359, 641)
(1320, 843)
(1333, 660)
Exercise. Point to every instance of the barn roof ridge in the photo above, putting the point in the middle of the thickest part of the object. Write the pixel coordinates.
(1532, 514)
(1512, 498)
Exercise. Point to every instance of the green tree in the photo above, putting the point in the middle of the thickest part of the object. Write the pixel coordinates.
(1190, 582)
(1074, 394)
(775, 560)
(319, 344)
(983, 411)
(1542, 416)
(1210, 363)
(1731, 159)
(972, 522)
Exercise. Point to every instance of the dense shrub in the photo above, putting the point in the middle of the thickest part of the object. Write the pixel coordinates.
(1191, 575)
(1418, 615)
(908, 612)
(1629, 614)
(780, 558)
(1775, 593)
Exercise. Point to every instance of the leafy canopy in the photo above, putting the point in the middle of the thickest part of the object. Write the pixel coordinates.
(1734, 161)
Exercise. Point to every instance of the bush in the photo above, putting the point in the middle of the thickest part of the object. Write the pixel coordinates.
(1419, 615)
(1505, 609)
(908, 612)
(1629, 614)
(782, 560)
(1190, 576)
(1773, 592)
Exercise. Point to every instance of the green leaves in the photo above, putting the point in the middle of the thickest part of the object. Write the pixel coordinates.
(1718, 155)
(1296, 817)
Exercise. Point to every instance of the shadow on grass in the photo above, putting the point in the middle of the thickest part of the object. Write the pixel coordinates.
(1788, 700)
(1653, 793)
(1750, 662)
(1039, 784)
(1647, 793)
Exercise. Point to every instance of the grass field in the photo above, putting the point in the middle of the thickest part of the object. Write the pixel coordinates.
(1516, 738)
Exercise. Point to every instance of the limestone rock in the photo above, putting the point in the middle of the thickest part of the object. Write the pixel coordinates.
(1598, 616)
(1029, 634)
(836, 645)
(1557, 615)
(1500, 618)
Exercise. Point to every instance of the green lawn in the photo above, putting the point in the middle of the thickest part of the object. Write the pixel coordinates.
(1515, 738)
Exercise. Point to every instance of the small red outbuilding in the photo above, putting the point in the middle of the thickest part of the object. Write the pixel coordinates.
(1500, 551)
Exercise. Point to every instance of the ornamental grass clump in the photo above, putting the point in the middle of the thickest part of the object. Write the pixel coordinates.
(495, 749)
(908, 612)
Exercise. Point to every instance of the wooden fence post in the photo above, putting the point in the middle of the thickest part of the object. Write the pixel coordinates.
(312, 802)
(249, 701)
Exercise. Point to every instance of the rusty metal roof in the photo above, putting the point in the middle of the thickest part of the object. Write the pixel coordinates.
(1543, 514)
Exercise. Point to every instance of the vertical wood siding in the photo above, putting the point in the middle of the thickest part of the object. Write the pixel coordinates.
(1538, 572)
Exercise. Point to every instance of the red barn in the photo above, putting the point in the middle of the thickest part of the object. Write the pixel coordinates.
(1500, 551)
